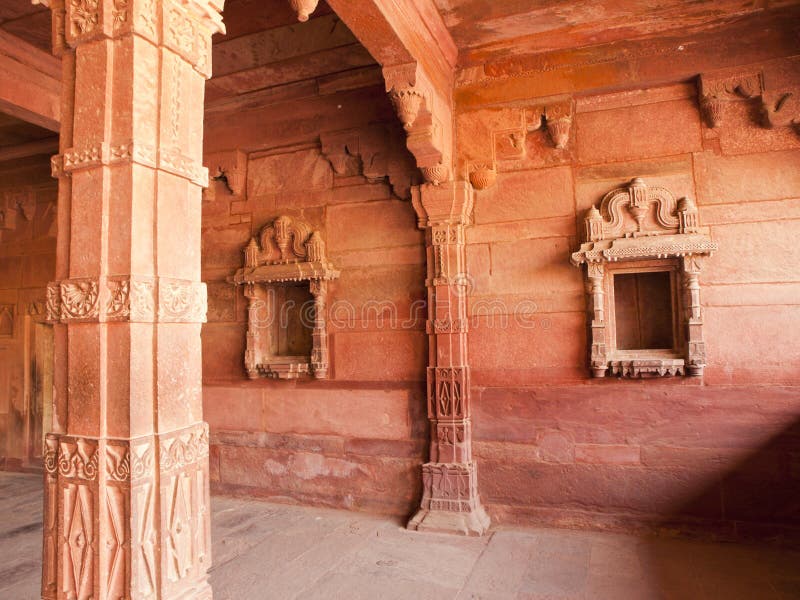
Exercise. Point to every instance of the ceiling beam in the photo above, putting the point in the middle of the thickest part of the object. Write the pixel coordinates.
(46, 146)
(30, 83)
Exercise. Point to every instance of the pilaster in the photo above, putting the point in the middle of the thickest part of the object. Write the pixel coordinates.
(450, 500)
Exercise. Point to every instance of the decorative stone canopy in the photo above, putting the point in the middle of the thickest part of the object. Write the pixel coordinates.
(287, 250)
(638, 222)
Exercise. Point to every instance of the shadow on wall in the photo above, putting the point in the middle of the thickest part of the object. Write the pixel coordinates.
(758, 498)
(755, 498)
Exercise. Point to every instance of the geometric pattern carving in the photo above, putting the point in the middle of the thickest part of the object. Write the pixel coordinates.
(644, 228)
(78, 546)
(287, 250)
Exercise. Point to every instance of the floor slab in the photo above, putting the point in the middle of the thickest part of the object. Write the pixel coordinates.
(266, 551)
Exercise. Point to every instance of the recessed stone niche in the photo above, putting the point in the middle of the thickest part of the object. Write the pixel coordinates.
(642, 253)
(285, 278)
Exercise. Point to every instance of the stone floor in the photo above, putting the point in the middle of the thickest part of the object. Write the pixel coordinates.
(271, 551)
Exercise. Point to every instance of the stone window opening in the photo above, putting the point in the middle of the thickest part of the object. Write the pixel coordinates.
(642, 253)
(285, 278)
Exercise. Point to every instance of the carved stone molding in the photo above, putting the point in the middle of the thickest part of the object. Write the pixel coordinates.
(715, 89)
(287, 252)
(136, 299)
(643, 229)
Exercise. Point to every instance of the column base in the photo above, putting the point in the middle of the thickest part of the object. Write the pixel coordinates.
(474, 523)
(450, 502)
(199, 591)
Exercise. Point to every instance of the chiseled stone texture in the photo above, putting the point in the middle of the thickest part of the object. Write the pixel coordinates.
(280, 552)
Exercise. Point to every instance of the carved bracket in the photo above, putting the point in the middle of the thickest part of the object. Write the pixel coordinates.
(781, 110)
(489, 137)
(425, 111)
(373, 152)
(717, 89)
(303, 8)
(230, 167)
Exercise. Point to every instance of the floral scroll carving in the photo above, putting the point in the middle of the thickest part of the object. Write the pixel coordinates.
(286, 258)
(644, 229)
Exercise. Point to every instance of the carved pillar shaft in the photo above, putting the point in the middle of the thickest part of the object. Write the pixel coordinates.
(319, 334)
(599, 359)
(695, 346)
(126, 465)
(450, 500)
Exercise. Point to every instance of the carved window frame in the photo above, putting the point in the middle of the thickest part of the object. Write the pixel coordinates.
(286, 252)
(642, 229)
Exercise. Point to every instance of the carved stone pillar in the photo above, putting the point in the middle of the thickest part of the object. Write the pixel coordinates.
(599, 358)
(450, 499)
(695, 346)
(126, 510)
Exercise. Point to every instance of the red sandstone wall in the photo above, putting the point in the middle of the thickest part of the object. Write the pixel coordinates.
(356, 439)
(27, 263)
(555, 446)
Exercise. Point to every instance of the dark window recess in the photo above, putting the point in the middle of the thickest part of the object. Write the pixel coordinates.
(643, 311)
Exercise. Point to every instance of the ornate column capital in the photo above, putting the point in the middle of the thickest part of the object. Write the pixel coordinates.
(186, 26)
(444, 204)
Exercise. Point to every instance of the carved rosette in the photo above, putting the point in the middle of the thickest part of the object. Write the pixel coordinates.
(80, 299)
(182, 301)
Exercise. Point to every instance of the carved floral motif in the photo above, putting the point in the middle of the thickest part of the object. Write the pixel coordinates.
(407, 102)
(79, 299)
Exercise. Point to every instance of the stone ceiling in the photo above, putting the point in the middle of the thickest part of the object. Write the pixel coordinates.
(489, 29)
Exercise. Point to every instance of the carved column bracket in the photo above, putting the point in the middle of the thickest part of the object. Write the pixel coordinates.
(490, 138)
(716, 89)
(450, 500)
(425, 111)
